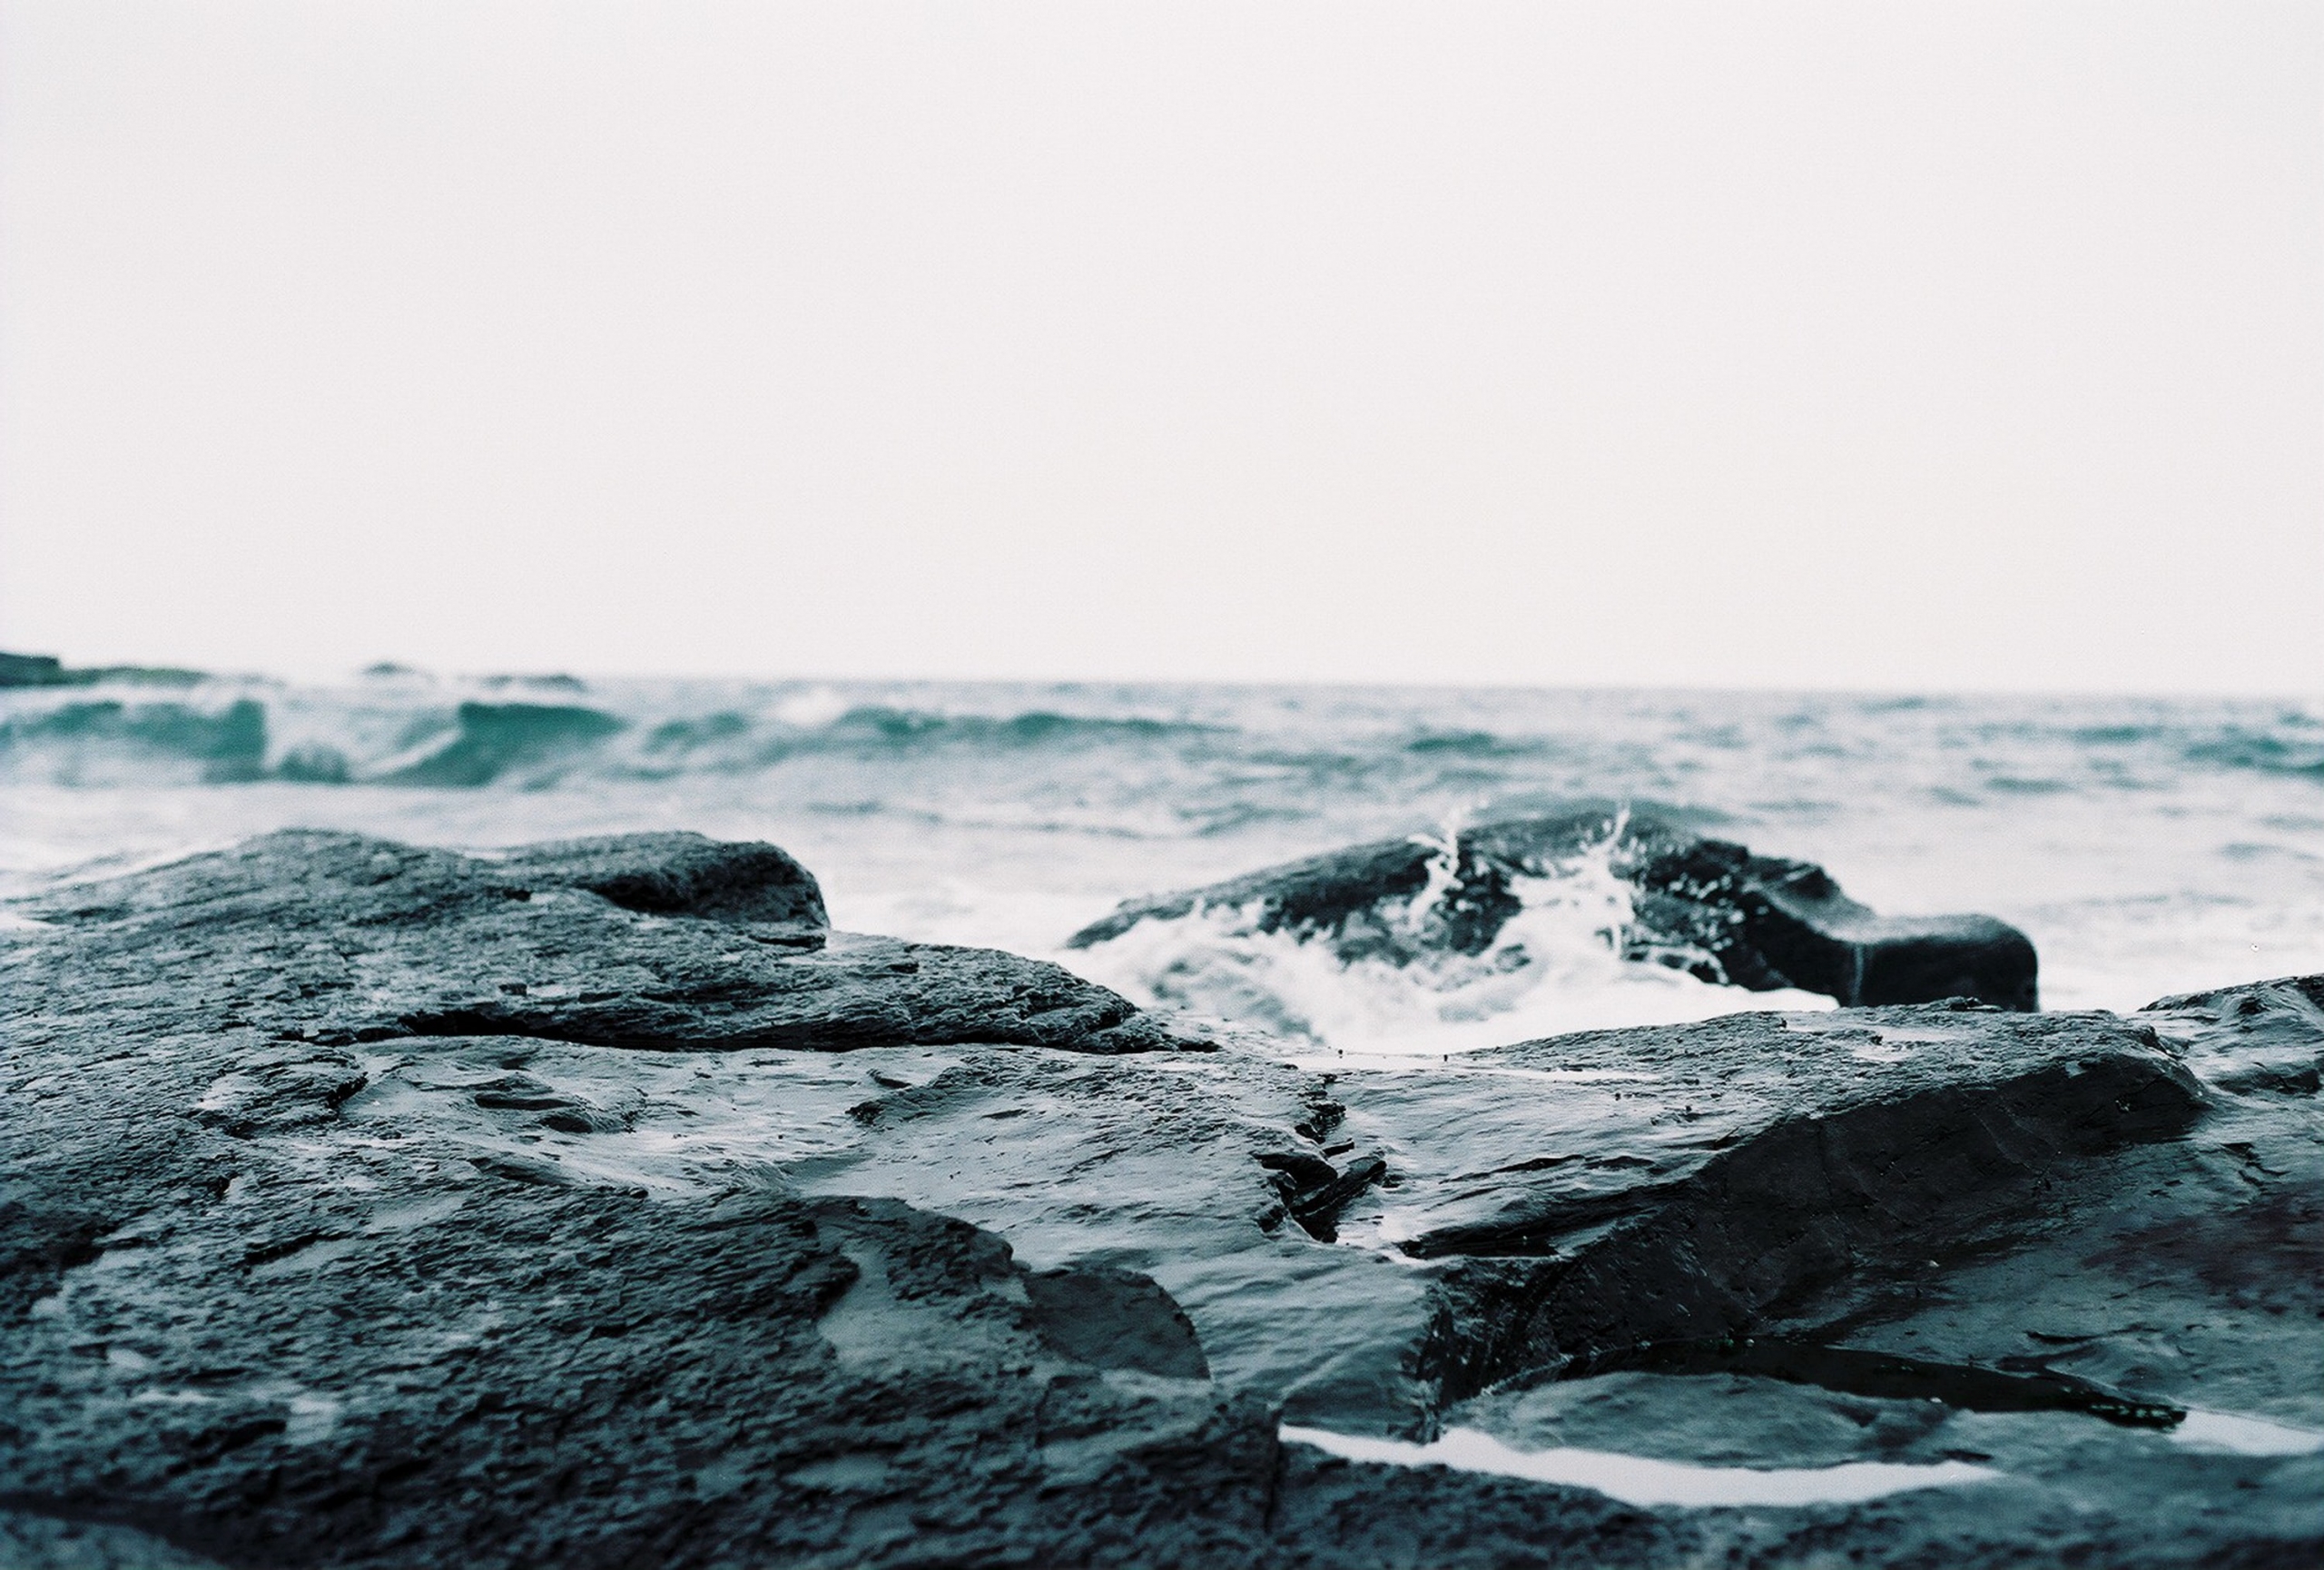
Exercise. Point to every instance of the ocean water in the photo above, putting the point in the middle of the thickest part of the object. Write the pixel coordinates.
(2148, 846)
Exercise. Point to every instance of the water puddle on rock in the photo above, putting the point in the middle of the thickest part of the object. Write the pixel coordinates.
(1640, 1480)
(2244, 1435)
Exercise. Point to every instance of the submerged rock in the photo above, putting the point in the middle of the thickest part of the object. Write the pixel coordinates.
(1702, 904)
(364, 1205)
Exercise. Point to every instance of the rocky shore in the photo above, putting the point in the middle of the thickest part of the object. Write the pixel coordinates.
(596, 1204)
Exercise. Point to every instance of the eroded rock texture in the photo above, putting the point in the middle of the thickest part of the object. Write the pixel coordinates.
(665, 941)
(1705, 904)
(322, 1243)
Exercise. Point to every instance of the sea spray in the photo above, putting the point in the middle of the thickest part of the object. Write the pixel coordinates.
(1556, 965)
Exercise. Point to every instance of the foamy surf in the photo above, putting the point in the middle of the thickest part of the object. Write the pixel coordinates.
(1558, 965)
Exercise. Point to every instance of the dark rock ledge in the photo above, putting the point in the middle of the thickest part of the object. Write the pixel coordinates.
(666, 940)
(369, 1206)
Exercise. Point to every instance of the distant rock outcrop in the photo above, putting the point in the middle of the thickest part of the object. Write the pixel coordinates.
(1703, 904)
(47, 670)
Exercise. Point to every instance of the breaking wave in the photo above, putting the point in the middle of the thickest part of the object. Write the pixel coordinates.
(238, 739)
(403, 729)
(882, 726)
(399, 730)
(1567, 960)
(2294, 749)
(487, 740)
(117, 741)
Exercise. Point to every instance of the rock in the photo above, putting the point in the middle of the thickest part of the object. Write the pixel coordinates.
(31, 670)
(679, 875)
(293, 1302)
(1700, 1180)
(1116, 1318)
(302, 1264)
(1191, 1170)
(439, 1371)
(18, 670)
(2263, 1037)
(31, 1540)
(2082, 1251)
(659, 941)
(1702, 904)
(1901, 1237)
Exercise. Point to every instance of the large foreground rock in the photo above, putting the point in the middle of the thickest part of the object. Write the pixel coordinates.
(1703, 904)
(308, 1255)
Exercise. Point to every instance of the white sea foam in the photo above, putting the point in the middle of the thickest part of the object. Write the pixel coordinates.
(1555, 966)
(1642, 1480)
(2245, 1436)
(814, 708)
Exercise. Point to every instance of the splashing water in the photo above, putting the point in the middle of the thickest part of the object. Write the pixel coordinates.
(1556, 965)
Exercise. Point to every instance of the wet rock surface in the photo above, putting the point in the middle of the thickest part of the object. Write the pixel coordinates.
(1708, 1179)
(2131, 1326)
(320, 1245)
(1703, 904)
(655, 941)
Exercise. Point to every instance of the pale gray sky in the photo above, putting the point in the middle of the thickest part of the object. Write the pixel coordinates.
(1848, 344)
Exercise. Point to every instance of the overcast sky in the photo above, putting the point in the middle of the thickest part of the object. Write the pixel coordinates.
(1848, 344)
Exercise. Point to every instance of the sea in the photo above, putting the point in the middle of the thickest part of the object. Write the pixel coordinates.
(2149, 846)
